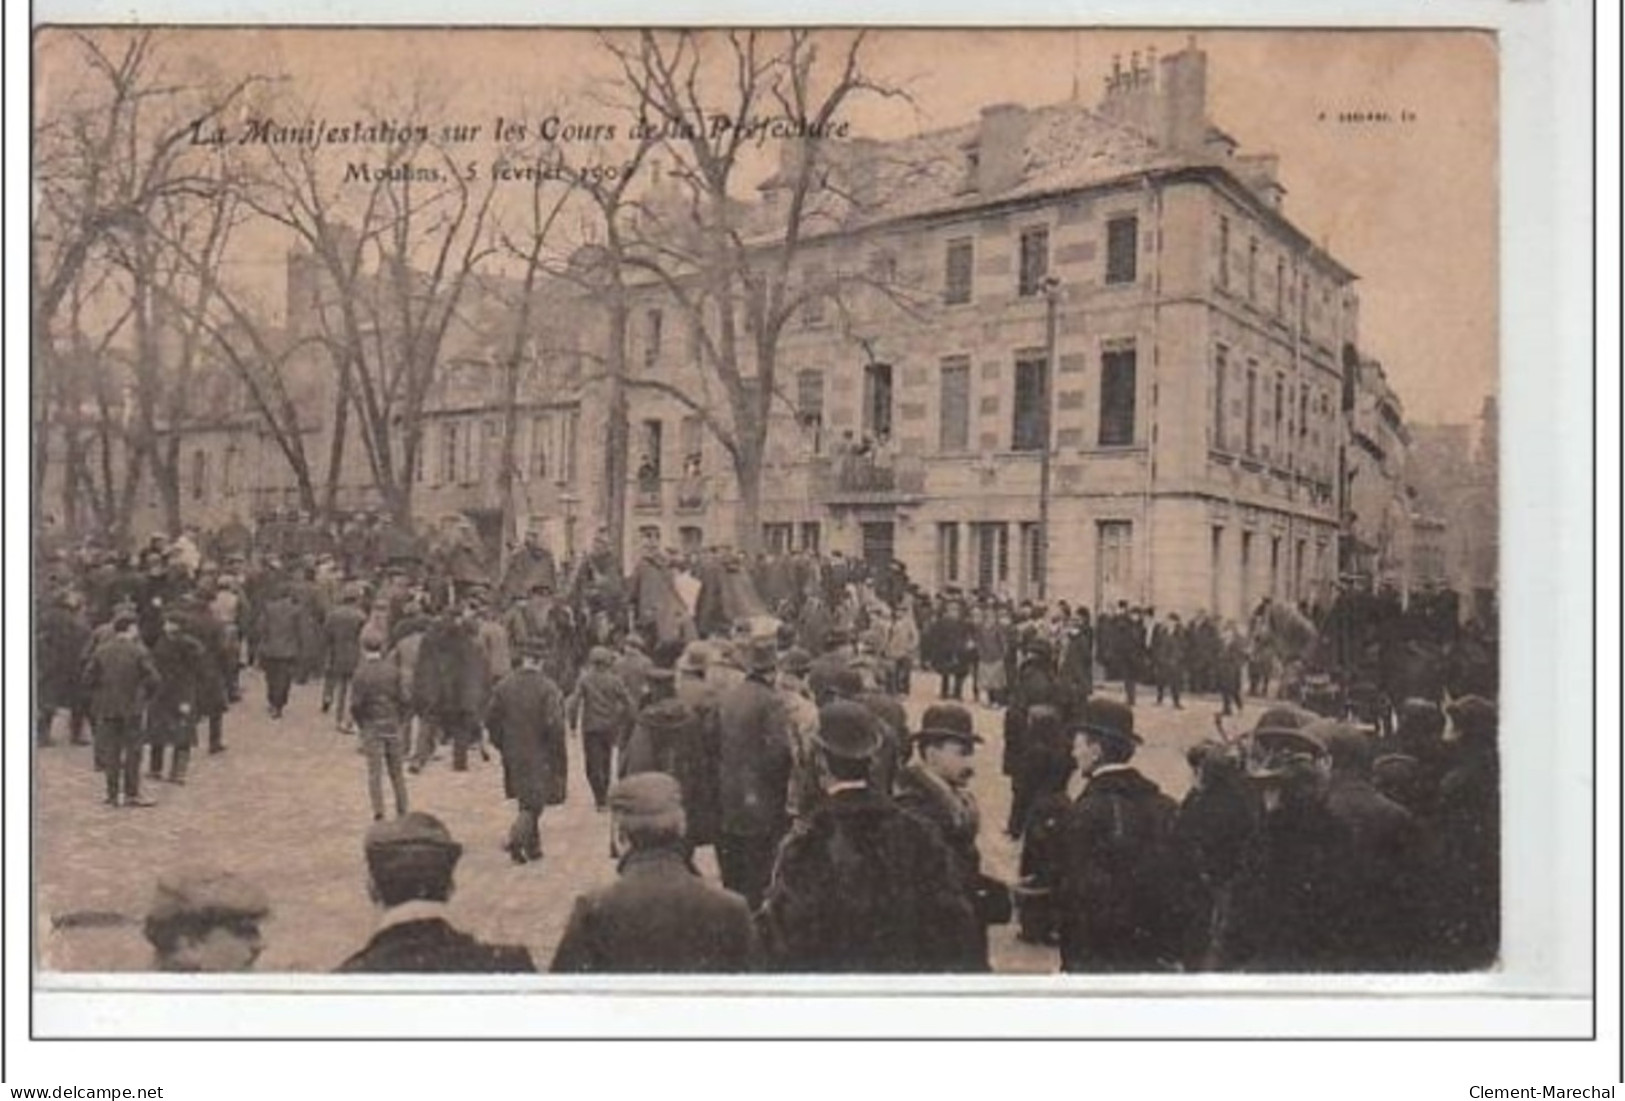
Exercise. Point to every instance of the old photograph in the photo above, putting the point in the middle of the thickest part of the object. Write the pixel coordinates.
(766, 501)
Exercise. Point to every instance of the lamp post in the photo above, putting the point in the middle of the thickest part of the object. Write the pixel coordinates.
(1052, 299)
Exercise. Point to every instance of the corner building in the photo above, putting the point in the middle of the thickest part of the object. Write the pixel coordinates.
(1196, 402)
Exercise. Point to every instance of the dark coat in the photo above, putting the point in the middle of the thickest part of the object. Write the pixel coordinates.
(1215, 822)
(756, 758)
(949, 646)
(1117, 897)
(281, 629)
(182, 668)
(867, 887)
(433, 945)
(670, 736)
(894, 753)
(378, 698)
(659, 917)
(1384, 918)
(1466, 879)
(957, 825)
(219, 659)
(451, 676)
(1035, 686)
(62, 637)
(120, 677)
(1290, 893)
(341, 639)
(526, 721)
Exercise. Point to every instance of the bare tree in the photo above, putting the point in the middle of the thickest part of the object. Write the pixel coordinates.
(731, 268)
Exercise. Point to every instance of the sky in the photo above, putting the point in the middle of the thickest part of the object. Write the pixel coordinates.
(1410, 206)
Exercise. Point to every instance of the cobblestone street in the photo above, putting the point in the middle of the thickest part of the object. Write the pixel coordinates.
(286, 805)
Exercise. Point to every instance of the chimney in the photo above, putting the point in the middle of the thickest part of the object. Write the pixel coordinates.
(1261, 172)
(1131, 94)
(1001, 147)
(1183, 125)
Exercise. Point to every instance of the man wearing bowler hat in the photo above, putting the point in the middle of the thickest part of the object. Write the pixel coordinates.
(659, 916)
(1117, 893)
(410, 865)
(526, 721)
(756, 760)
(866, 886)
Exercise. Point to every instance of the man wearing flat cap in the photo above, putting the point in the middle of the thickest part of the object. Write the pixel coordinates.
(866, 886)
(206, 920)
(526, 721)
(1117, 895)
(674, 735)
(411, 861)
(935, 787)
(659, 916)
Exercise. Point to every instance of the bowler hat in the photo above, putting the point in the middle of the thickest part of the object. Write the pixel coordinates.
(849, 730)
(1109, 719)
(845, 682)
(411, 831)
(947, 720)
(206, 894)
(1283, 719)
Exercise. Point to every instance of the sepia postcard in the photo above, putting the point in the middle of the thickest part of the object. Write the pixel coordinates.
(781, 513)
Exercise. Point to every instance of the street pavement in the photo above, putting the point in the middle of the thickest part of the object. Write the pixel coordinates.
(286, 806)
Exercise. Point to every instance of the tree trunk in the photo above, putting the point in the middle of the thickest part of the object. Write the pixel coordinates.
(335, 452)
(616, 436)
(748, 519)
(166, 473)
(505, 469)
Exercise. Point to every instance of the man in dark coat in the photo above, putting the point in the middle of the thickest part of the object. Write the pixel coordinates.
(866, 886)
(172, 715)
(659, 917)
(450, 682)
(935, 787)
(526, 721)
(670, 737)
(214, 681)
(1035, 686)
(1168, 658)
(1467, 822)
(280, 638)
(950, 648)
(410, 865)
(341, 649)
(532, 565)
(120, 678)
(757, 753)
(62, 638)
(1215, 821)
(378, 706)
(1077, 672)
(1117, 899)
(602, 706)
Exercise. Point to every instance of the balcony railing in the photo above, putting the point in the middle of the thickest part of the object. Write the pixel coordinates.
(858, 479)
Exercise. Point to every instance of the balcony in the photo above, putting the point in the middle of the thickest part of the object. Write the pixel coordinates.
(648, 495)
(859, 479)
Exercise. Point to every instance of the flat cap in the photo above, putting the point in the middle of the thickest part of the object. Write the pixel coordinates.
(205, 892)
(647, 798)
(413, 830)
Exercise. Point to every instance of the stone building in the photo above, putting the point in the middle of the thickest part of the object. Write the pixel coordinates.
(1193, 392)
(1379, 517)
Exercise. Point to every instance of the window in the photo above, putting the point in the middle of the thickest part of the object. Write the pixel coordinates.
(991, 545)
(810, 406)
(653, 322)
(947, 555)
(490, 448)
(1029, 417)
(691, 442)
(650, 434)
(811, 532)
(954, 431)
(1122, 250)
(1275, 566)
(1034, 261)
(1031, 576)
(569, 425)
(883, 266)
(776, 537)
(1114, 562)
(877, 403)
(1219, 399)
(1280, 286)
(1252, 269)
(1215, 566)
(541, 429)
(448, 453)
(1246, 570)
(812, 310)
(1117, 385)
(420, 464)
(1303, 411)
(957, 285)
(1280, 415)
(1250, 426)
(690, 540)
(200, 474)
(1224, 252)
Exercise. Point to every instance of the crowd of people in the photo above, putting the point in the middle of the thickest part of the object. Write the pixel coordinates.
(757, 706)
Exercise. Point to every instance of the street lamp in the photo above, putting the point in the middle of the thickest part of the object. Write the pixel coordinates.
(1052, 299)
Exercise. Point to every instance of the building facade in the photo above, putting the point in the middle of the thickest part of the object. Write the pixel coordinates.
(1192, 387)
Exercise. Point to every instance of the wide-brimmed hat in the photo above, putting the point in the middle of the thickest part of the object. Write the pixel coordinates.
(1109, 719)
(849, 730)
(947, 721)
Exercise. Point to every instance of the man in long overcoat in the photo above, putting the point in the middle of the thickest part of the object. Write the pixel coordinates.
(341, 649)
(280, 638)
(451, 682)
(63, 635)
(756, 761)
(120, 678)
(526, 721)
(1117, 898)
